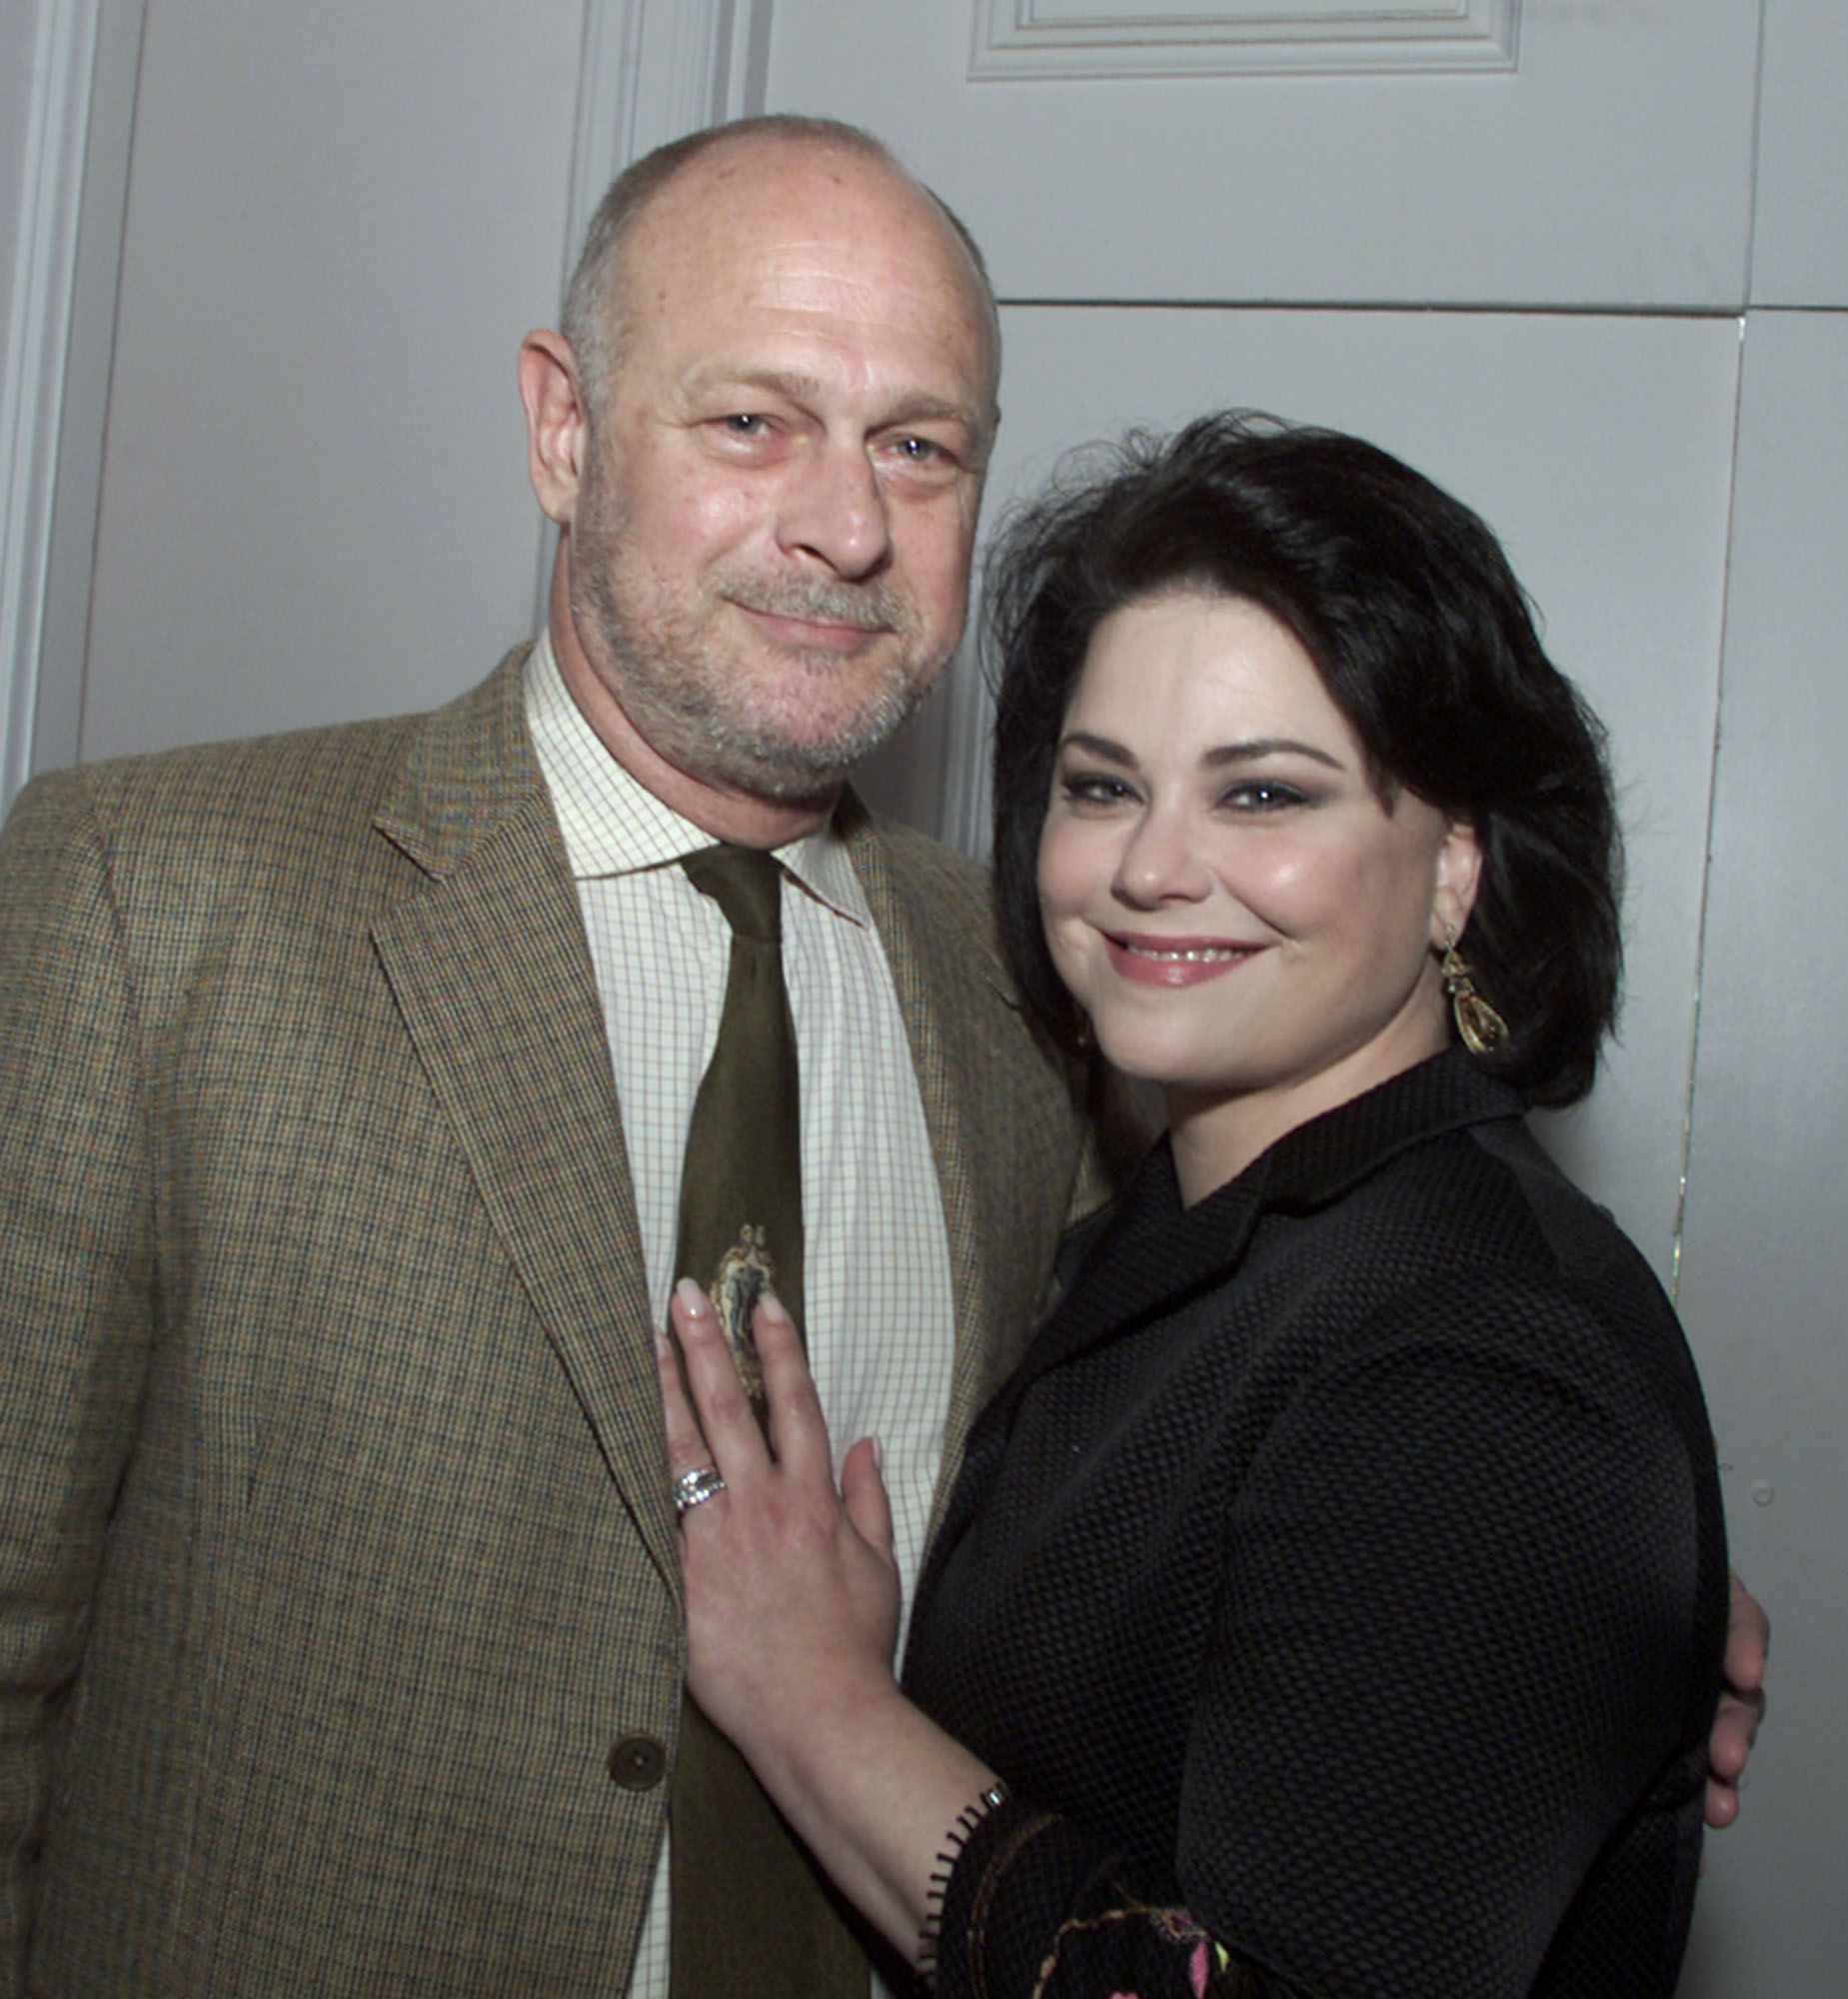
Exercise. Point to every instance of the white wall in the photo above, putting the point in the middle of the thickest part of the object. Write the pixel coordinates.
(1763, 1267)
(1761, 1288)
(342, 219)
(21, 90)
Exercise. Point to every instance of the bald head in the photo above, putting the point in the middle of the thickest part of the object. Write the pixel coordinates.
(601, 302)
(764, 436)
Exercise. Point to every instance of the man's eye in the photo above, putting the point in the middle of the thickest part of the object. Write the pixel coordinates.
(742, 423)
(922, 454)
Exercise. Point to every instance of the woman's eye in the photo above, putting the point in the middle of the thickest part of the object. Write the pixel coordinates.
(742, 423)
(1093, 787)
(1262, 794)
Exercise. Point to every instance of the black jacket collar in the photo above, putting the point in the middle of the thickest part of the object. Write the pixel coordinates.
(1145, 1253)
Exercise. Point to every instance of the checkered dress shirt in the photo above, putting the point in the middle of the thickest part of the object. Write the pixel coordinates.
(878, 1315)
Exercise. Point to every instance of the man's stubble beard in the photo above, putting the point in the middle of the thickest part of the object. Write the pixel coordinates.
(695, 707)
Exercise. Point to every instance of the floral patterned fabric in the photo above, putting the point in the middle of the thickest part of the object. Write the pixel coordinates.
(1112, 1941)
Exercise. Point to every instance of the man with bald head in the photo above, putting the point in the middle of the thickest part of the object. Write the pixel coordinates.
(763, 438)
(349, 1076)
(340, 1634)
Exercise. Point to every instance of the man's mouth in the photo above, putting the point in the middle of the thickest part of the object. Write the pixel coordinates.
(824, 634)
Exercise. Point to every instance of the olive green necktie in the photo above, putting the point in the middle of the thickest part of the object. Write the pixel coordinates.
(750, 1913)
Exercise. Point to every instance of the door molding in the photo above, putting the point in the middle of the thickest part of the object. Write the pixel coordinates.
(1018, 40)
(650, 71)
(59, 342)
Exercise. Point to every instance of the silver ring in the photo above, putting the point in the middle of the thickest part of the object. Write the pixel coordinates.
(693, 1488)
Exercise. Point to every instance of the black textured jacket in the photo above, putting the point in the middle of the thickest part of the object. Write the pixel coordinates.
(1343, 1568)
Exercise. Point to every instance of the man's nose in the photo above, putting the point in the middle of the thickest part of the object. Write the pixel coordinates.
(836, 510)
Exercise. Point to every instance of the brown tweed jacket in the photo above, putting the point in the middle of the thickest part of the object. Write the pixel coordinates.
(339, 1625)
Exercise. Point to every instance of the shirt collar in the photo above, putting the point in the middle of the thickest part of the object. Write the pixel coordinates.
(612, 823)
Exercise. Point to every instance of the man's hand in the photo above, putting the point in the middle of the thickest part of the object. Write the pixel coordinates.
(1742, 1704)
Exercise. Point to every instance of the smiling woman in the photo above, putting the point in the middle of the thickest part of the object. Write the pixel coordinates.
(1242, 915)
(1332, 1601)
(1418, 635)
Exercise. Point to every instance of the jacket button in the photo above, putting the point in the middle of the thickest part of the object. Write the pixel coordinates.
(638, 1762)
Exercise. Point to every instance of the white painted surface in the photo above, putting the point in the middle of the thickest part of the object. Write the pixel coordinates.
(65, 107)
(75, 469)
(1612, 166)
(341, 220)
(1762, 1289)
(1092, 38)
(1800, 250)
(26, 101)
(19, 31)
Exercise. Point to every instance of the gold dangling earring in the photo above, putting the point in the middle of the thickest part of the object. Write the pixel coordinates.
(1484, 1031)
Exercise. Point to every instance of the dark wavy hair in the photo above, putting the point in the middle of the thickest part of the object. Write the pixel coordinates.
(1423, 637)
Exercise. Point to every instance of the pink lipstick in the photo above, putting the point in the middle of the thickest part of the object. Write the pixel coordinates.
(1174, 961)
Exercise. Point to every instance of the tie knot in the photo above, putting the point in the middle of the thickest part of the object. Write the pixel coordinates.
(747, 884)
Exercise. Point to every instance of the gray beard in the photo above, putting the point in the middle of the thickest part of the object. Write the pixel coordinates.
(685, 717)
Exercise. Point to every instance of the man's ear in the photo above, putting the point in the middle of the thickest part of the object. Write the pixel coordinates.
(1459, 866)
(557, 430)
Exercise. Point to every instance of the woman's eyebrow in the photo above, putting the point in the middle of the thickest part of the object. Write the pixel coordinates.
(1270, 746)
(1097, 746)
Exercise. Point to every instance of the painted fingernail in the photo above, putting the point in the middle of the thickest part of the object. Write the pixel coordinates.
(773, 1309)
(691, 1298)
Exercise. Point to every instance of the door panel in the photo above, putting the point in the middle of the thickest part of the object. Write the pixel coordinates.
(341, 221)
(1761, 1283)
(1800, 241)
(1611, 165)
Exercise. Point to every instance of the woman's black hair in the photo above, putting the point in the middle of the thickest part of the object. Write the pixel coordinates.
(1425, 642)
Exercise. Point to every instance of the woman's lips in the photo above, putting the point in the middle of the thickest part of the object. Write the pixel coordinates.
(1166, 960)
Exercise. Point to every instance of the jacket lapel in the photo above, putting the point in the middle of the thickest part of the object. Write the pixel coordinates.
(487, 961)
